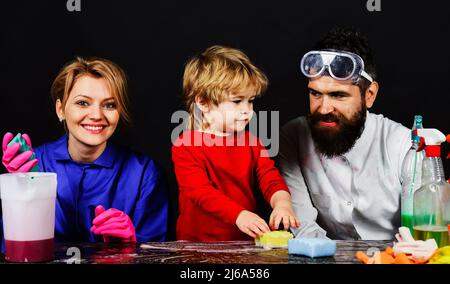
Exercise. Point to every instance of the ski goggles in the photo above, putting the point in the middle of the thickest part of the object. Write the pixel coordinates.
(340, 65)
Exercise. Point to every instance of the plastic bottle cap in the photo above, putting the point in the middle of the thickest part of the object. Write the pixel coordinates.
(433, 151)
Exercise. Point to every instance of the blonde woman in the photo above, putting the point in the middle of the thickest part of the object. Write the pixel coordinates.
(103, 189)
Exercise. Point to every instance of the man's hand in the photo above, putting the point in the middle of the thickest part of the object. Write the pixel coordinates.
(285, 214)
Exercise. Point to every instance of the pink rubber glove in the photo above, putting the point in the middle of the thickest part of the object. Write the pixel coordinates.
(113, 224)
(17, 163)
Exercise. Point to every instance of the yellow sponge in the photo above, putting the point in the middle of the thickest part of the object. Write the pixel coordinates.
(274, 239)
(441, 256)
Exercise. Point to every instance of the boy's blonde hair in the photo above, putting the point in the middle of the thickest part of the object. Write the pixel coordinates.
(97, 68)
(215, 73)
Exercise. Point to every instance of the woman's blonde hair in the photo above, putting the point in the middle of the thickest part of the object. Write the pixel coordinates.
(97, 68)
(213, 74)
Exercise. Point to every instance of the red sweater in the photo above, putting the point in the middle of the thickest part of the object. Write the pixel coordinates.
(216, 183)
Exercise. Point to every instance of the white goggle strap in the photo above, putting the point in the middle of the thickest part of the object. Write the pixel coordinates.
(367, 76)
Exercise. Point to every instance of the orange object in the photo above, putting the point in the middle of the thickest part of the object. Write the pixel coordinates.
(401, 258)
(415, 261)
(389, 251)
(387, 257)
(362, 257)
(448, 156)
(377, 258)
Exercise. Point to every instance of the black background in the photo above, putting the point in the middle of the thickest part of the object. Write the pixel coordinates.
(152, 40)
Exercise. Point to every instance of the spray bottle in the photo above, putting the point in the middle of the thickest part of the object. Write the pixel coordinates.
(411, 175)
(432, 200)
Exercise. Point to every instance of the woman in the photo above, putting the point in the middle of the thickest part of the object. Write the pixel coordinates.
(93, 174)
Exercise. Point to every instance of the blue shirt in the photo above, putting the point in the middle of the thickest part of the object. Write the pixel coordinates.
(118, 179)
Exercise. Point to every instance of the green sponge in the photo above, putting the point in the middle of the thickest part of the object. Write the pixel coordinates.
(24, 147)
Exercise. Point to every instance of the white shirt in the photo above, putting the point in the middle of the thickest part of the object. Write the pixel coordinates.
(352, 196)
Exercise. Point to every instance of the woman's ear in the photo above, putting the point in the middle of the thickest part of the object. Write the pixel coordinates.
(59, 110)
(202, 105)
(371, 94)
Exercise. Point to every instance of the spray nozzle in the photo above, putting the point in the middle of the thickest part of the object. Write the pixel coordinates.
(417, 125)
(431, 139)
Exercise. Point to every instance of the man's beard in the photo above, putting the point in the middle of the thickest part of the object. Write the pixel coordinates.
(337, 140)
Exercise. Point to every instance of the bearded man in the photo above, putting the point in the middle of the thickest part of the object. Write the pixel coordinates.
(342, 164)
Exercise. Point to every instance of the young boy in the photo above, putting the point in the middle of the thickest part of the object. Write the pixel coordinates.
(216, 164)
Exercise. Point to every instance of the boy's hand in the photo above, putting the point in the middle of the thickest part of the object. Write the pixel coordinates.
(251, 224)
(283, 213)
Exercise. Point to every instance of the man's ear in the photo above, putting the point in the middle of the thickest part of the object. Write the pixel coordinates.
(202, 105)
(59, 110)
(371, 94)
